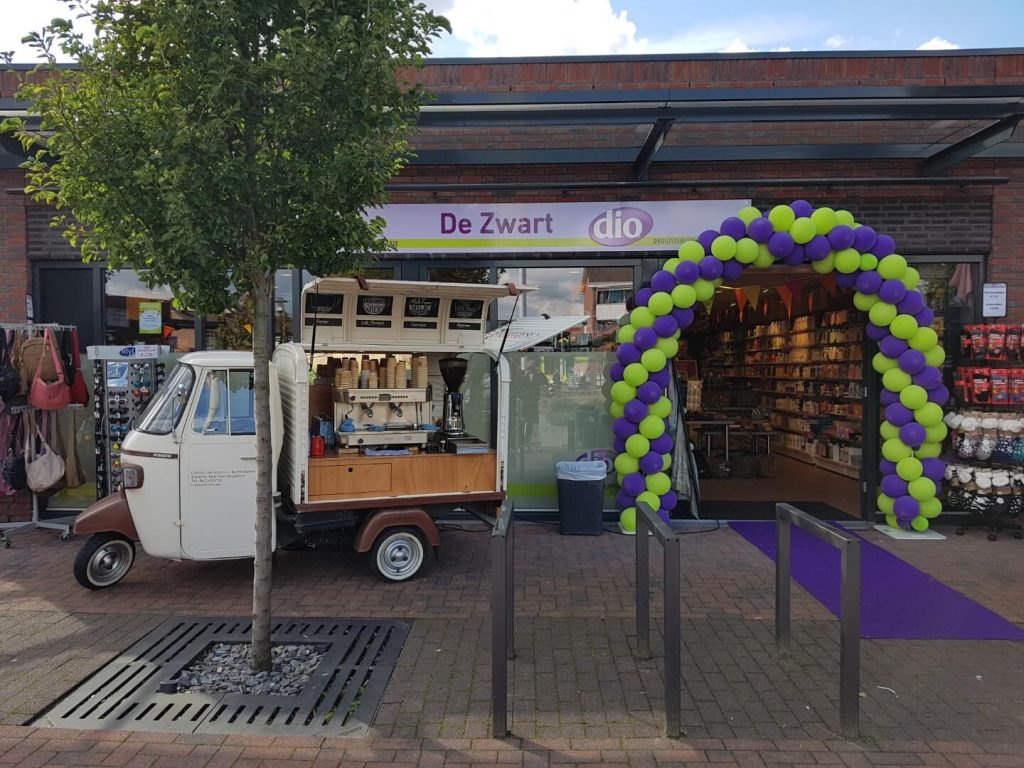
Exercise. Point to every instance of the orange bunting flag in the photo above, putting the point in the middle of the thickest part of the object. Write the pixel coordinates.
(753, 293)
(741, 300)
(787, 299)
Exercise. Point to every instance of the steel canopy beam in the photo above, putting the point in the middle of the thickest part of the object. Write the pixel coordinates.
(986, 138)
(653, 142)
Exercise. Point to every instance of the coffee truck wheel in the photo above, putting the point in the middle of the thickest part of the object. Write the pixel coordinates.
(397, 554)
(104, 560)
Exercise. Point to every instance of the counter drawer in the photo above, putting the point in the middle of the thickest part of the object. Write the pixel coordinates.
(354, 479)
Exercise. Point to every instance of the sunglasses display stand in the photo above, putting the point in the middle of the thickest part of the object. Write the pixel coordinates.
(124, 381)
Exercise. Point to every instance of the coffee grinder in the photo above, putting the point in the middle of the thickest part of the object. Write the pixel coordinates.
(453, 371)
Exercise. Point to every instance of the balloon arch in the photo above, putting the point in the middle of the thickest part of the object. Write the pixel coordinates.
(908, 358)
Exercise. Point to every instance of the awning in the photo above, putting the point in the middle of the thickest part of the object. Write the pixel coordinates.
(525, 332)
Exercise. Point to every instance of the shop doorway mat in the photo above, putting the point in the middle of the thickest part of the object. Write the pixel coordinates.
(898, 601)
(340, 699)
(765, 510)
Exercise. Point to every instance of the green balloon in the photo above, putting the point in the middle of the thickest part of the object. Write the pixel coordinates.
(868, 261)
(895, 450)
(865, 301)
(635, 374)
(922, 488)
(666, 461)
(723, 247)
(903, 327)
(845, 217)
(881, 363)
(622, 392)
(748, 214)
(705, 289)
(626, 464)
(923, 339)
(885, 503)
(935, 356)
(641, 317)
(639, 446)
(650, 499)
(936, 434)
(928, 415)
(824, 220)
(661, 409)
(892, 266)
(931, 508)
(896, 380)
(911, 278)
(802, 230)
(746, 250)
(683, 296)
(826, 265)
(848, 261)
(919, 523)
(888, 431)
(625, 334)
(781, 217)
(764, 257)
(691, 250)
(882, 313)
(652, 427)
(671, 264)
(908, 469)
(668, 347)
(619, 477)
(913, 396)
(627, 520)
(659, 483)
(892, 521)
(617, 410)
(660, 304)
(653, 359)
(930, 449)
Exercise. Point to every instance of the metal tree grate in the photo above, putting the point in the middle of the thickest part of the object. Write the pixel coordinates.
(340, 698)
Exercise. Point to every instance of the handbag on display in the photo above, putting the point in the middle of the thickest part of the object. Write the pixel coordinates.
(10, 379)
(47, 395)
(43, 467)
(78, 394)
(12, 456)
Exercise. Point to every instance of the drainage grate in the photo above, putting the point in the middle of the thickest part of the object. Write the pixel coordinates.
(340, 698)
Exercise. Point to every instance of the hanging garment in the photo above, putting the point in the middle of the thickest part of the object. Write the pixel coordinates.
(79, 393)
(74, 475)
(12, 454)
(10, 380)
(46, 395)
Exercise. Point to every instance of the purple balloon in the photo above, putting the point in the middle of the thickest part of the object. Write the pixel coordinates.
(925, 317)
(669, 501)
(892, 485)
(898, 414)
(623, 427)
(651, 463)
(627, 353)
(645, 338)
(731, 269)
(635, 411)
(683, 316)
(872, 331)
(780, 244)
(892, 347)
(912, 361)
(665, 326)
(706, 238)
(615, 372)
(802, 208)
(760, 230)
(634, 484)
(911, 303)
(663, 280)
(841, 237)
(934, 469)
(662, 378)
(912, 434)
(795, 257)
(662, 444)
(818, 248)
(887, 397)
(846, 281)
(619, 445)
(892, 291)
(734, 227)
(864, 238)
(868, 282)
(887, 467)
(883, 246)
(649, 392)
(687, 272)
(939, 395)
(623, 500)
(906, 508)
(928, 377)
(642, 296)
(710, 268)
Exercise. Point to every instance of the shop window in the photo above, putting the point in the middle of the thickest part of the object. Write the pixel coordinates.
(134, 313)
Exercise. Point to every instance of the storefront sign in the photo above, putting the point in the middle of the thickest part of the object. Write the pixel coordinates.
(150, 317)
(515, 227)
(993, 302)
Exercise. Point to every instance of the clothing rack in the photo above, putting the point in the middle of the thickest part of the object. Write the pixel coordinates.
(62, 524)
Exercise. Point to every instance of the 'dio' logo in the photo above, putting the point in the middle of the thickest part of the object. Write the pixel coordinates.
(620, 226)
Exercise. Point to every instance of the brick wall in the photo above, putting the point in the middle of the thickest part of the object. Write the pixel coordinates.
(45, 242)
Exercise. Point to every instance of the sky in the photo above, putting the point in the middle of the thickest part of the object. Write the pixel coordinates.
(564, 27)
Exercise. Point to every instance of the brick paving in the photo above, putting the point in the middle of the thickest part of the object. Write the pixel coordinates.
(579, 695)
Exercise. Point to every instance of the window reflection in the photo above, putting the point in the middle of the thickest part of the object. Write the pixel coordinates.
(134, 313)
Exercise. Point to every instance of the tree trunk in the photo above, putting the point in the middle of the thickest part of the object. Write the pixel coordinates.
(262, 294)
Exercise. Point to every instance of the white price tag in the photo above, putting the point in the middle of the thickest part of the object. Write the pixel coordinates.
(993, 302)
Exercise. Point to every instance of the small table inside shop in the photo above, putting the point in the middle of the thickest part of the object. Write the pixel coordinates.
(709, 428)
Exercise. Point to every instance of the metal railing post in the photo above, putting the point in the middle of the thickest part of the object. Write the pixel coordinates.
(643, 588)
(783, 547)
(502, 619)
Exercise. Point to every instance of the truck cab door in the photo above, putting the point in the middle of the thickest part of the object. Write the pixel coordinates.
(218, 466)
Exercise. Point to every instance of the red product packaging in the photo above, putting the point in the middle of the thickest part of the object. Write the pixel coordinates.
(1000, 385)
(979, 342)
(997, 341)
(1017, 387)
(1013, 342)
(981, 384)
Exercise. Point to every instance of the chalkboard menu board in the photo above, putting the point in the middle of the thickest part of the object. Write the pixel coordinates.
(324, 309)
(462, 314)
(374, 311)
(421, 313)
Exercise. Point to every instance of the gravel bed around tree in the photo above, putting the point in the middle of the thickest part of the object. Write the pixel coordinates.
(226, 668)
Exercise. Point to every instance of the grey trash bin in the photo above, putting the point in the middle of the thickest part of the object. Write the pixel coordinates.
(580, 496)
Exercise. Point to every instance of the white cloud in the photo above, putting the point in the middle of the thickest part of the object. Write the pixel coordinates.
(838, 41)
(753, 33)
(737, 46)
(937, 44)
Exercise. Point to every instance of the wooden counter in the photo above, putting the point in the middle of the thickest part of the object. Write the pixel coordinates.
(352, 476)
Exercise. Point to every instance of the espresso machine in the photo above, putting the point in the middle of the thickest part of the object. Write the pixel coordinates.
(453, 437)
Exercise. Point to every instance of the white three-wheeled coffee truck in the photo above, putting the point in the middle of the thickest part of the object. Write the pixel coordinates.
(373, 442)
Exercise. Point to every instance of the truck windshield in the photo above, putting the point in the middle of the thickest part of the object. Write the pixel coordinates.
(165, 410)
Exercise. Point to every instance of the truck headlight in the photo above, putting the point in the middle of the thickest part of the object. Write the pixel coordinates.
(131, 476)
